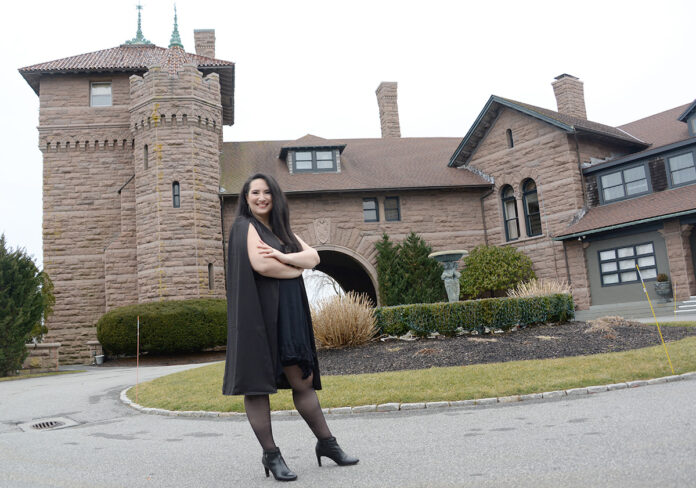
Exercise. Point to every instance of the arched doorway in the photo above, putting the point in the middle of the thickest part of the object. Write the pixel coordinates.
(349, 269)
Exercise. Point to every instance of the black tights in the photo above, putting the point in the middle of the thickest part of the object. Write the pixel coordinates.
(258, 409)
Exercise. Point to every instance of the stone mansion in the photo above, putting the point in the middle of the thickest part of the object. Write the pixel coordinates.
(139, 189)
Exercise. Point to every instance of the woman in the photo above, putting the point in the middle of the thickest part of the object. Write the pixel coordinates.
(270, 342)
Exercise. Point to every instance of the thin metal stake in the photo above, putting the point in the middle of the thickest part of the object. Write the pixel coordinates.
(656, 323)
(137, 360)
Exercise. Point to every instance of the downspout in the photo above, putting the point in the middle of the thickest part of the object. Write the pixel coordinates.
(483, 217)
(565, 255)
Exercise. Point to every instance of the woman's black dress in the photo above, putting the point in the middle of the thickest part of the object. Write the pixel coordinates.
(294, 333)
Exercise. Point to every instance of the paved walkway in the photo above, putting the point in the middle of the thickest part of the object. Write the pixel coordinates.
(631, 437)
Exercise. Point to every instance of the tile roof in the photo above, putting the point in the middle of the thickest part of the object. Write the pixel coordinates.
(634, 211)
(564, 122)
(366, 165)
(136, 59)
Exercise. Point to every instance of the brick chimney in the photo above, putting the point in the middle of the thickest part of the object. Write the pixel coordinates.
(570, 95)
(388, 109)
(205, 42)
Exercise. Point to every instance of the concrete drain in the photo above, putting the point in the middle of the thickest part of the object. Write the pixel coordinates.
(47, 424)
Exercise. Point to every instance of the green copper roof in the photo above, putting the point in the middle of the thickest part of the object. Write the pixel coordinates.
(175, 40)
(139, 39)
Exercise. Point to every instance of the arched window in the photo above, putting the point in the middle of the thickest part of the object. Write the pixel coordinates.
(176, 195)
(510, 142)
(512, 227)
(146, 156)
(532, 216)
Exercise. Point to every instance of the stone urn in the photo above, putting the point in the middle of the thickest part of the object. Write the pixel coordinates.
(450, 261)
(663, 288)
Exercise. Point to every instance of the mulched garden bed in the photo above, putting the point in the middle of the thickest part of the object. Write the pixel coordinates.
(537, 342)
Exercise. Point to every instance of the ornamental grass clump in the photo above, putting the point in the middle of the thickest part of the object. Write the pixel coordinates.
(539, 288)
(343, 321)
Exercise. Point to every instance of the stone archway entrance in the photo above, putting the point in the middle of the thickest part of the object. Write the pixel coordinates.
(349, 269)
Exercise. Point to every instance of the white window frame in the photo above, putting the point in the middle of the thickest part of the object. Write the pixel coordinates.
(99, 84)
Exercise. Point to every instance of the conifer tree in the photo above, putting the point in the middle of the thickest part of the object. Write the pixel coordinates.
(26, 299)
(421, 274)
(388, 275)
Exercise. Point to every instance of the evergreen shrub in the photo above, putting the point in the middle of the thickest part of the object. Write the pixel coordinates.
(494, 313)
(26, 300)
(491, 271)
(166, 327)
(406, 274)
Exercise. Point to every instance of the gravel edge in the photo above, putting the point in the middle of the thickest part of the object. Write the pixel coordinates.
(403, 407)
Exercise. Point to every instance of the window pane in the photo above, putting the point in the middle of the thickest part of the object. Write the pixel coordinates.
(635, 187)
(391, 209)
(513, 232)
(324, 155)
(629, 276)
(633, 174)
(535, 224)
(644, 249)
(610, 279)
(608, 267)
(682, 161)
(303, 156)
(646, 261)
(369, 204)
(613, 193)
(683, 176)
(649, 273)
(303, 164)
(324, 164)
(100, 94)
(510, 209)
(627, 264)
(508, 192)
(607, 255)
(625, 251)
(612, 179)
(370, 210)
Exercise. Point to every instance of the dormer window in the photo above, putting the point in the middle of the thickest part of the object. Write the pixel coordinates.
(625, 183)
(313, 161)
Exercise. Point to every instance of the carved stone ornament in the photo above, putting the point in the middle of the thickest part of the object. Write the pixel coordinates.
(322, 227)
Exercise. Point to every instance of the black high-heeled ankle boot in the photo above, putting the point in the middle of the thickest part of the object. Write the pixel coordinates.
(273, 461)
(330, 449)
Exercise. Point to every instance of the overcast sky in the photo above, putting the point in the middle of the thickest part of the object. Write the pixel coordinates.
(313, 66)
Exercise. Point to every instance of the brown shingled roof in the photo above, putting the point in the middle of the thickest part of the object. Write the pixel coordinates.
(366, 164)
(136, 59)
(634, 211)
(660, 129)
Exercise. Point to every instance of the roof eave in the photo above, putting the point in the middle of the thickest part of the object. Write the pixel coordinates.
(687, 112)
(623, 225)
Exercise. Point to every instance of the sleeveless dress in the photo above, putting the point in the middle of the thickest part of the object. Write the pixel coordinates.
(295, 335)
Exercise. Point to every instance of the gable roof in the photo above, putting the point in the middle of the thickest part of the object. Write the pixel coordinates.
(567, 123)
(136, 59)
(648, 208)
(366, 165)
(310, 141)
(688, 112)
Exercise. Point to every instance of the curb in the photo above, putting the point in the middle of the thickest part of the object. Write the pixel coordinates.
(402, 407)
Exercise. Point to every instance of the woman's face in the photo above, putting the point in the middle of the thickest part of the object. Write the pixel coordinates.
(259, 199)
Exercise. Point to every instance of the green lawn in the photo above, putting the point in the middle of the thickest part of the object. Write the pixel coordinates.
(200, 388)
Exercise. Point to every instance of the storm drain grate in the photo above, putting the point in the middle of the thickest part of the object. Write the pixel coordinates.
(44, 424)
(51, 424)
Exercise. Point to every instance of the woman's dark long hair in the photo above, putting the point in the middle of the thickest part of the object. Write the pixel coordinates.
(280, 213)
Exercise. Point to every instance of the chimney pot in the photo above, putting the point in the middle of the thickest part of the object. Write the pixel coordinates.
(570, 95)
(388, 109)
(205, 42)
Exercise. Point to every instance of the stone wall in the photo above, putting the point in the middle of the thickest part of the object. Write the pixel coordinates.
(42, 358)
(681, 268)
(87, 155)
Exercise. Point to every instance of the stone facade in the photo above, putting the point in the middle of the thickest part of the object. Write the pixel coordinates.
(111, 236)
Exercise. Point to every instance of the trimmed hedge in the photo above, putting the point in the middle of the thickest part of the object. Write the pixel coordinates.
(165, 327)
(494, 313)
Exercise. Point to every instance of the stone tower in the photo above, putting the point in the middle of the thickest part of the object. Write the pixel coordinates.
(176, 122)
